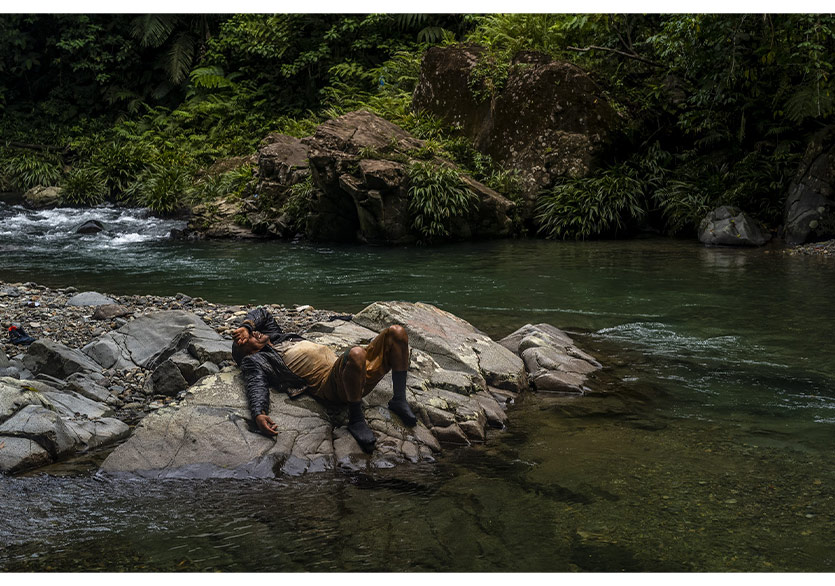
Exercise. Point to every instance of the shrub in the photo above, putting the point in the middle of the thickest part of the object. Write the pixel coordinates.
(120, 163)
(593, 206)
(232, 183)
(22, 171)
(163, 186)
(437, 196)
(85, 186)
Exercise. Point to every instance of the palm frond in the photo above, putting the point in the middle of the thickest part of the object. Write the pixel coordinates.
(152, 30)
(180, 56)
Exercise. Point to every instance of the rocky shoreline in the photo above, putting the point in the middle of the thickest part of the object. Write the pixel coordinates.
(44, 313)
(155, 376)
(826, 248)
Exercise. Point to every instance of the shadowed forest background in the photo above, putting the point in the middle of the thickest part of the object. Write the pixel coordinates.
(713, 109)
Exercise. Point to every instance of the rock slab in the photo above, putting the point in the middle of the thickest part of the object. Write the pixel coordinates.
(553, 362)
(40, 424)
(453, 374)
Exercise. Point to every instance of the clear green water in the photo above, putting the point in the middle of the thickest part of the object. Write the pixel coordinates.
(707, 446)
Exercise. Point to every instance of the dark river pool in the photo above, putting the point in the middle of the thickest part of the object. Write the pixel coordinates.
(711, 448)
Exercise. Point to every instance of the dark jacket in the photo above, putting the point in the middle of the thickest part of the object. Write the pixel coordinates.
(266, 367)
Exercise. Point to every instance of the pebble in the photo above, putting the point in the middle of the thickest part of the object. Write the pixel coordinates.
(826, 248)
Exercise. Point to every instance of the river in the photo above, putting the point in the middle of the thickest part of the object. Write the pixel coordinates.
(711, 450)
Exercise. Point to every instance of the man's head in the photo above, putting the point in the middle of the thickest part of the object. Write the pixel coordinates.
(245, 343)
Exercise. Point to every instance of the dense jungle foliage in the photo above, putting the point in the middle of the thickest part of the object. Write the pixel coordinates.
(135, 109)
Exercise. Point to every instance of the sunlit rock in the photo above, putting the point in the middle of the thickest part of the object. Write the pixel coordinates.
(551, 359)
(209, 433)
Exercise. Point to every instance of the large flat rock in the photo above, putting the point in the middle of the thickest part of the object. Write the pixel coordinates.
(453, 370)
(552, 360)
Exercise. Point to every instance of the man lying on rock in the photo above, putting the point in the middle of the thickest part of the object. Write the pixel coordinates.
(267, 356)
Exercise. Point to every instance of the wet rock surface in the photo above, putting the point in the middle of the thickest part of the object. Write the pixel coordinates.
(553, 362)
(40, 424)
(453, 367)
(46, 315)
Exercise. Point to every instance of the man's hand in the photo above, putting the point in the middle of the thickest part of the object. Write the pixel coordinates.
(240, 335)
(266, 425)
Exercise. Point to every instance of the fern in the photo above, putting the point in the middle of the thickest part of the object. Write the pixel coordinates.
(809, 102)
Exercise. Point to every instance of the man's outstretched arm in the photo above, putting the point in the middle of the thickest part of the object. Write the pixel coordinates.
(258, 393)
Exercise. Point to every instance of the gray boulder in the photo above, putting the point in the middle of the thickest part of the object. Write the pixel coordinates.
(809, 214)
(209, 433)
(452, 343)
(551, 359)
(89, 298)
(21, 453)
(55, 359)
(154, 336)
(41, 197)
(36, 421)
(166, 380)
(729, 226)
(87, 387)
(40, 424)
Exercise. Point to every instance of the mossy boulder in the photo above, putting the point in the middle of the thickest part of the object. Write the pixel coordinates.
(548, 120)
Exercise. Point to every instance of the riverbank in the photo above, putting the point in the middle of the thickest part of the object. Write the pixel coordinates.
(826, 248)
(43, 313)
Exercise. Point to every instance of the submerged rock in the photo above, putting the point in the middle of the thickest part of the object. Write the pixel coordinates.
(90, 227)
(729, 226)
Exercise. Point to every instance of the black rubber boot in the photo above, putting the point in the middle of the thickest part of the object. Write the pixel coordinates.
(398, 403)
(359, 428)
